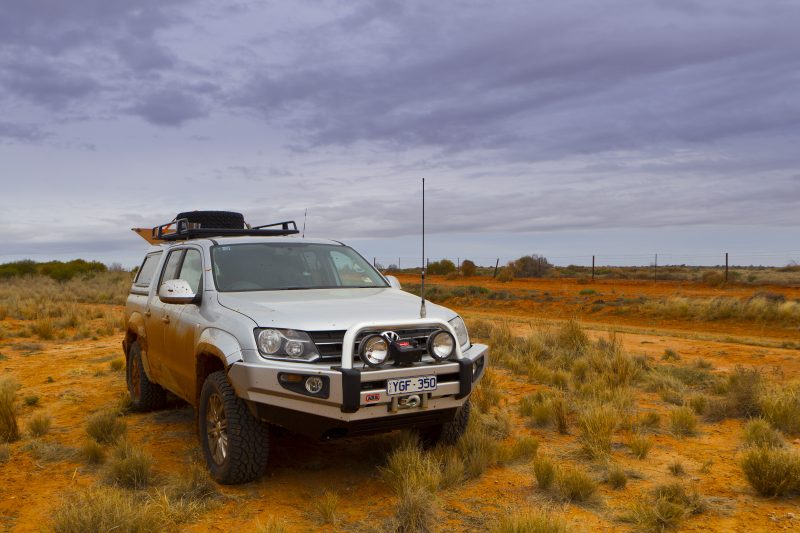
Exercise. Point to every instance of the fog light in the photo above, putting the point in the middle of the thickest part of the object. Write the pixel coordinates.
(374, 350)
(441, 345)
(314, 384)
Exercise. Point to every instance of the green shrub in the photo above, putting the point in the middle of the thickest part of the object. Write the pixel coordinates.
(640, 445)
(670, 355)
(744, 388)
(780, 406)
(676, 468)
(9, 430)
(326, 507)
(574, 485)
(683, 421)
(772, 472)
(545, 472)
(31, 400)
(105, 509)
(757, 432)
(129, 467)
(670, 505)
(92, 452)
(616, 477)
(597, 423)
(39, 425)
(106, 427)
(529, 522)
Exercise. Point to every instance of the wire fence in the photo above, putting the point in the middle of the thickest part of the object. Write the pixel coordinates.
(765, 266)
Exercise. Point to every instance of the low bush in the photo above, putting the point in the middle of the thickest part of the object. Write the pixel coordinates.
(92, 452)
(529, 522)
(616, 477)
(683, 421)
(640, 445)
(676, 468)
(574, 485)
(522, 450)
(105, 427)
(780, 406)
(757, 432)
(416, 512)
(772, 472)
(451, 465)
(105, 509)
(744, 388)
(669, 506)
(129, 467)
(545, 471)
(326, 507)
(9, 430)
(409, 467)
(597, 423)
(31, 400)
(273, 525)
(39, 425)
(49, 452)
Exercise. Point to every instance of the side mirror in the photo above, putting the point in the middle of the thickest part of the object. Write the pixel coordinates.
(393, 282)
(176, 291)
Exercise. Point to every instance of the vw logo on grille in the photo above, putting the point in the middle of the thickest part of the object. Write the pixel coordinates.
(390, 336)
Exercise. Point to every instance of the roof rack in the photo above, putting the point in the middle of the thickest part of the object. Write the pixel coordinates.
(182, 229)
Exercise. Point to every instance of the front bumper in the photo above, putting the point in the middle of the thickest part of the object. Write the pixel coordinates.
(354, 395)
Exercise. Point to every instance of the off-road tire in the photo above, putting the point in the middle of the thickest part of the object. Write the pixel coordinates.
(449, 432)
(214, 219)
(247, 437)
(145, 395)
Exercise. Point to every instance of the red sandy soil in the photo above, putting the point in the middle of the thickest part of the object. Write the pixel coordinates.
(301, 469)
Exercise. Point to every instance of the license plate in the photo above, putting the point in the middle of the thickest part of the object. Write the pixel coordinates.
(410, 385)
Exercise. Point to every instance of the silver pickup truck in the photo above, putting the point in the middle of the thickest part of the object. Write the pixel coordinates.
(255, 326)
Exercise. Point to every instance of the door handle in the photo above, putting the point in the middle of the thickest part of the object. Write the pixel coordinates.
(147, 313)
(165, 319)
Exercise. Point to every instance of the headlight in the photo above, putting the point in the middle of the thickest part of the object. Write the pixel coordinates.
(441, 345)
(461, 330)
(286, 344)
(374, 350)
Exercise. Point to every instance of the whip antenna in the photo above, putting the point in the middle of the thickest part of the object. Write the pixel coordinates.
(422, 312)
(305, 216)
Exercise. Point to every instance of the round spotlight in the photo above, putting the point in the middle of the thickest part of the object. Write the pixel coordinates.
(441, 345)
(314, 384)
(269, 340)
(374, 350)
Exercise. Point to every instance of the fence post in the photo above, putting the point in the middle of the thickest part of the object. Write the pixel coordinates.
(726, 267)
(374, 262)
(458, 265)
(495, 267)
(592, 268)
(655, 270)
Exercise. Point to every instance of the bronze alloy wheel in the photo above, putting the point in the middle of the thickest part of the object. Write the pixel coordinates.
(136, 379)
(217, 429)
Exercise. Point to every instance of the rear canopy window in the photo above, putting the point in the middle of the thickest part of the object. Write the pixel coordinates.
(288, 266)
(148, 269)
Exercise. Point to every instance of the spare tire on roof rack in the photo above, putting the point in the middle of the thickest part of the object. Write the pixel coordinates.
(214, 219)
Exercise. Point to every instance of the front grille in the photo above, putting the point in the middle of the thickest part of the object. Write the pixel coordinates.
(329, 343)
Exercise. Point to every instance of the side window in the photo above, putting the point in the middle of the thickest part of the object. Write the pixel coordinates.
(192, 269)
(147, 270)
(171, 268)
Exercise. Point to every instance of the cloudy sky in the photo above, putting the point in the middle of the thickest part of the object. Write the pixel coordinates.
(620, 128)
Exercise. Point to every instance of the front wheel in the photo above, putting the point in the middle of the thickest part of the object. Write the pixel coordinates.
(235, 444)
(448, 432)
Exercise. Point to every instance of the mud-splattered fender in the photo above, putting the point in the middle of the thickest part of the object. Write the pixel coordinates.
(136, 331)
(221, 344)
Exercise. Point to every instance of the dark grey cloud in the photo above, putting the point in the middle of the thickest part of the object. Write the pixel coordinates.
(543, 82)
(170, 107)
(48, 85)
(28, 133)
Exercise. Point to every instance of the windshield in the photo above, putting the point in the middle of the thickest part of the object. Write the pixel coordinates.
(289, 266)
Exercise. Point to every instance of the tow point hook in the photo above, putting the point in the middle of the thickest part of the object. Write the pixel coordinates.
(409, 402)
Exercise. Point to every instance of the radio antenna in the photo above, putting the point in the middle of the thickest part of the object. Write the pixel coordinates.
(422, 312)
(305, 216)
